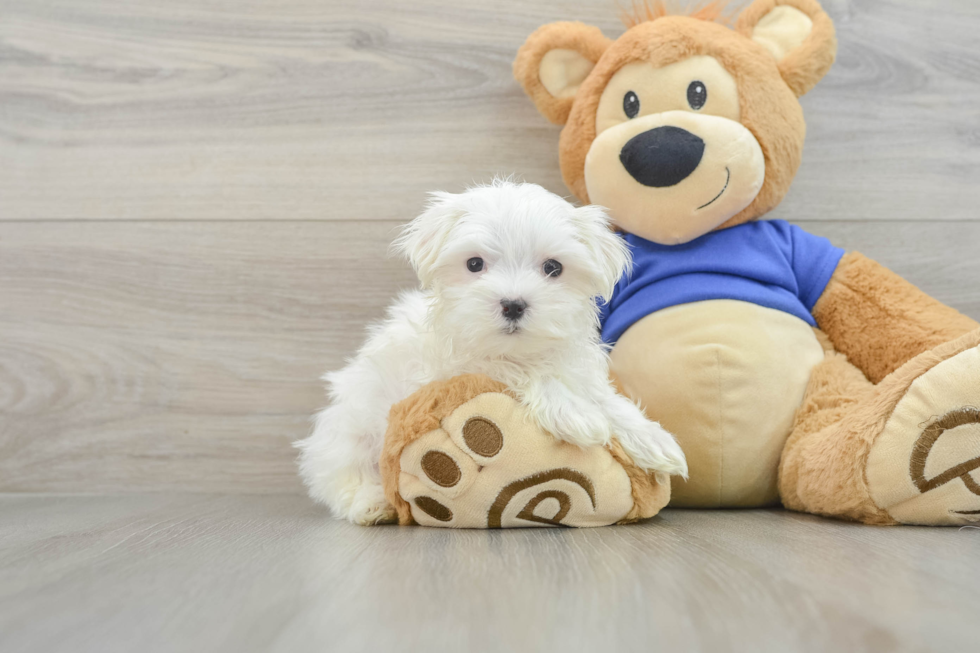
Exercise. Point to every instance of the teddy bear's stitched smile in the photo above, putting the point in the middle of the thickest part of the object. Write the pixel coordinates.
(728, 178)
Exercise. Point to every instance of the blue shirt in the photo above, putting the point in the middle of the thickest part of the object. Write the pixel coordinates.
(770, 263)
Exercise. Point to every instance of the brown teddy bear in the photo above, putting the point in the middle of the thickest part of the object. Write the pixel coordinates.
(788, 370)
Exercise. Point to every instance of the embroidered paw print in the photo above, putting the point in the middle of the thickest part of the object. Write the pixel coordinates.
(968, 417)
(924, 468)
(488, 466)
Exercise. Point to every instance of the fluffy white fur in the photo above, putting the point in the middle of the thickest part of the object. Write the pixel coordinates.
(552, 358)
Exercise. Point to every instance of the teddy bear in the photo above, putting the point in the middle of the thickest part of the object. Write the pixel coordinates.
(789, 370)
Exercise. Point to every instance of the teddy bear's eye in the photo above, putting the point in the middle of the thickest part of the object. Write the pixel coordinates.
(475, 264)
(697, 95)
(631, 104)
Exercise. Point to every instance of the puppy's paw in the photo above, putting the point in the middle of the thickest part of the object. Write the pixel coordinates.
(366, 505)
(653, 449)
(489, 465)
(575, 423)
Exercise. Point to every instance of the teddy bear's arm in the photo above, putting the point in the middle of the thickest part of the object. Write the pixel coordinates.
(879, 320)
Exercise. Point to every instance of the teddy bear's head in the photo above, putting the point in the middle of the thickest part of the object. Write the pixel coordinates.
(682, 125)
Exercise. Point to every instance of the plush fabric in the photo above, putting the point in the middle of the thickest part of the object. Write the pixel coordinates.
(924, 467)
(824, 468)
(419, 414)
(806, 65)
(719, 180)
(646, 10)
(725, 377)
(587, 41)
(879, 320)
(769, 263)
(691, 170)
(464, 454)
(782, 30)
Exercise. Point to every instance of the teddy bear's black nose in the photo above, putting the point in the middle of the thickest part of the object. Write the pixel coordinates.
(662, 157)
(513, 309)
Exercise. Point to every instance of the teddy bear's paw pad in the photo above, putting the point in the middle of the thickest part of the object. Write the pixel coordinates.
(489, 466)
(924, 468)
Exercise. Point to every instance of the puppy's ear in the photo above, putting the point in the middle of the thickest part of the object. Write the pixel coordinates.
(798, 34)
(554, 61)
(610, 254)
(423, 238)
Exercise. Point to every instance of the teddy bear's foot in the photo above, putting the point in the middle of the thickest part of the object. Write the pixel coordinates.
(924, 467)
(906, 451)
(486, 465)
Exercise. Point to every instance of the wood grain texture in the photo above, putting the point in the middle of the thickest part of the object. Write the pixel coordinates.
(187, 356)
(305, 109)
(209, 573)
(153, 355)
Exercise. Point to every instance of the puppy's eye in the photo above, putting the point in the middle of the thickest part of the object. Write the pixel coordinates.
(631, 105)
(551, 268)
(475, 264)
(697, 95)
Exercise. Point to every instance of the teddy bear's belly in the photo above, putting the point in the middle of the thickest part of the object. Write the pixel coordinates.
(725, 377)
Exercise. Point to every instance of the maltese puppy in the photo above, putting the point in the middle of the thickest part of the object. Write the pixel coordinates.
(510, 275)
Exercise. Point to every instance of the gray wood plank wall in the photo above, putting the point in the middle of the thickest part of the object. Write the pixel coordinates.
(196, 199)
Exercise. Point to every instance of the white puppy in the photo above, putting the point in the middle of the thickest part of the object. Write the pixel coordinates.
(510, 274)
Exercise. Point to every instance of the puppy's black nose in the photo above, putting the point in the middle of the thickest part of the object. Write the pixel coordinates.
(662, 157)
(513, 308)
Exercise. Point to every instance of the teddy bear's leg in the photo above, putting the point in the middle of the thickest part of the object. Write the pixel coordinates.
(836, 388)
(904, 451)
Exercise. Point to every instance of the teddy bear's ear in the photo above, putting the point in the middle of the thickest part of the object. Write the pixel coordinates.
(554, 61)
(798, 34)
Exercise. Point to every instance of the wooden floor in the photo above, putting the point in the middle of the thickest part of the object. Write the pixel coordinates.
(185, 573)
(196, 200)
